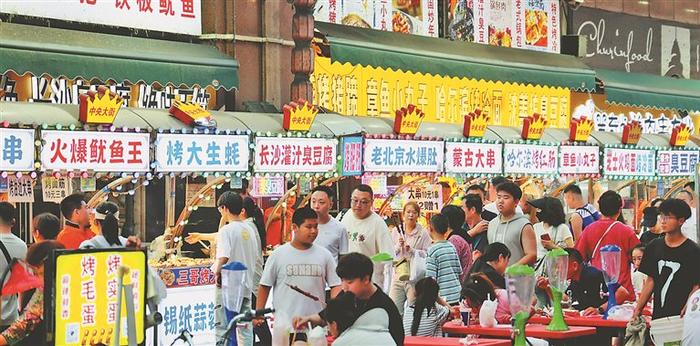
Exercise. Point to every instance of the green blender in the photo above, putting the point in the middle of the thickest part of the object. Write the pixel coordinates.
(556, 264)
(520, 285)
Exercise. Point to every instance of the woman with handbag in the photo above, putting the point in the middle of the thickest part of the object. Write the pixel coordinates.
(409, 237)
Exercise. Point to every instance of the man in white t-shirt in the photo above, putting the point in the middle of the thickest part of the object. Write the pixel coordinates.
(236, 242)
(689, 228)
(13, 247)
(367, 232)
(331, 233)
(691, 320)
(296, 267)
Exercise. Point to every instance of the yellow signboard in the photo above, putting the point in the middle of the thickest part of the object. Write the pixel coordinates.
(86, 293)
(368, 91)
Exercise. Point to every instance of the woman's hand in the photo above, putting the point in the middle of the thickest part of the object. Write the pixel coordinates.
(193, 237)
(548, 244)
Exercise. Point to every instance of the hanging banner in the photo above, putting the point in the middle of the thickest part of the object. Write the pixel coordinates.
(629, 162)
(428, 197)
(86, 291)
(540, 24)
(17, 148)
(473, 158)
(351, 149)
(389, 155)
(312, 155)
(530, 159)
(613, 117)
(495, 22)
(96, 151)
(378, 183)
(268, 187)
(55, 189)
(20, 190)
(181, 17)
(418, 17)
(59, 90)
(201, 153)
(368, 91)
(677, 162)
(579, 159)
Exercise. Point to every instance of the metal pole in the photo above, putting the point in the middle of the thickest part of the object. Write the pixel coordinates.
(697, 214)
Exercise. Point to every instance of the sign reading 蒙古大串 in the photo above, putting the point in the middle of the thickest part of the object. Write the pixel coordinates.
(480, 158)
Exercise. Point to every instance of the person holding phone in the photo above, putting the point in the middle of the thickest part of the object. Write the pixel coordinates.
(551, 229)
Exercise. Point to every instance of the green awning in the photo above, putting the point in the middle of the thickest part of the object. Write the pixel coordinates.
(72, 53)
(457, 59)
(645, 90)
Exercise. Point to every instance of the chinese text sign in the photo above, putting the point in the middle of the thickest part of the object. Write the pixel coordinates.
(634, 162)
(388, 155)
(530, 159)
(477, 158)
(579, 159)
(676, 162)
(17, 149)
(201, 153)
(295, 155)
(98, 151)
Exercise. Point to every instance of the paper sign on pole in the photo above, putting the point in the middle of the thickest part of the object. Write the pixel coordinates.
(268, 187)
(20, 189)
(377, 183)
(428, 197)
(55, 189)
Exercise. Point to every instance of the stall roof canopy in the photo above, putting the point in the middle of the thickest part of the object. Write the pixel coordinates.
(644, 90)
(457, 59)
(72, 53)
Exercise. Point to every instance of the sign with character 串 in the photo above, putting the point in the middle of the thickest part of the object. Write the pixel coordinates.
(428, 197)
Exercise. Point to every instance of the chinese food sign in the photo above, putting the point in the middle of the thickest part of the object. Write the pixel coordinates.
(377, 92)
(579, 159)
(189, 304)
(676, 162)
(388, 155)
(428, 197)
(530, 159)
(202, 153)
(629, 162)
(17, 149)
(98, 151)
(295, 155)
(268, 187)
(55, 189)
(352, 156)
(473, 158)
(177, 16)
(86, 292)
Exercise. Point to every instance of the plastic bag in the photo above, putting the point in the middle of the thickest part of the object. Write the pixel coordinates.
(317, 337)
(621, 312)
(418, 265)
(487, 313)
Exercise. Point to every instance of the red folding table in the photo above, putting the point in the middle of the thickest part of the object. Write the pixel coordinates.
(447, 341)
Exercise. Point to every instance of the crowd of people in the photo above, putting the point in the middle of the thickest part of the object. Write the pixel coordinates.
(364, 277)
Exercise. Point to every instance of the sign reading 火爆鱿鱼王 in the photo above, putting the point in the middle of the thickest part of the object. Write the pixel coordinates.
(351, 149)
(676, 162)
(476, 158)
(181, 17)
(530, 159)
(96, 151)
(202, 153)
(629, 162)
(390, 155)
(17, 150)
(579, 159)
(312, 155)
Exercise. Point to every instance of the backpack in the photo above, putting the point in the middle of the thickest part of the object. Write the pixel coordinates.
(21, 280)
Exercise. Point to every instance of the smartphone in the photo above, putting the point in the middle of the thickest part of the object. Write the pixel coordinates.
(546, 236)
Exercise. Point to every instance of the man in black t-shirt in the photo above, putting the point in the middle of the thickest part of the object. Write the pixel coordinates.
(586, 287)
(670, 264)
(355, 271)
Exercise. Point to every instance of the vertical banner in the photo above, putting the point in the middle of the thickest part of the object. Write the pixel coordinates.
(540, 16)
(351, 149)
(16, 150)
(495, 22)
(268, 187)
(85, 291)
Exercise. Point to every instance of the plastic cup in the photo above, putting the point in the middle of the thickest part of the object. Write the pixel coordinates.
(466, 315)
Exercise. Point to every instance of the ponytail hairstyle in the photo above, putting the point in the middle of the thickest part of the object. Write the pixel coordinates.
(107, 216)
(477, 289)
(427, 290)
(252, 210)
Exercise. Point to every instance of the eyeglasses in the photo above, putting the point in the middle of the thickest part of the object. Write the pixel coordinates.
(364, 202)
